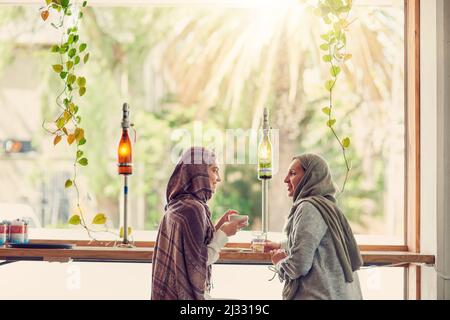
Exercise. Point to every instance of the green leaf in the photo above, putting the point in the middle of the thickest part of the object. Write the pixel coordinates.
(82, 141)
(331, 122)
(325, 37)
(83, 161)
(346, 143)
(57, 68)
(70, 39)
(326, 58)
(64, 3)
(60, 123)
(79, 121)
(68, 183)
(121, 233)
(77, 60)
(329, 85)
(324, 47)
(71, 78)
(86, 58)
(69, 64)
(54, 48)
(63, 49)
(63, 75)
(335, 71)
(344, 39)
(72, 52)
(75, 220)
(80, 15)
(71, 107)
(81, 81)
(82, 47)
(82, 91)
(48, 2)
(75, 38)
(337, 27)
(326, 110)
(84, 3)
(79, 154)
(99, 218)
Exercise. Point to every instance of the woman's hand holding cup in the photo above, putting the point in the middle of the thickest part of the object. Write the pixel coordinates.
(225, 218)
(232, 227)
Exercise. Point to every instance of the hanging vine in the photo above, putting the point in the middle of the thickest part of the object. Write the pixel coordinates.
(334, 14)
(71, 52)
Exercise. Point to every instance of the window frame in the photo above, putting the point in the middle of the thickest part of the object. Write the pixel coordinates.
(412, 139)
(412, 152)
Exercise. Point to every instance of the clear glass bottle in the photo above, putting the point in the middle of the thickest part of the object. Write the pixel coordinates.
(265, 150)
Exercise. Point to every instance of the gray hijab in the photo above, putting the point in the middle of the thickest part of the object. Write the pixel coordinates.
(317, 188)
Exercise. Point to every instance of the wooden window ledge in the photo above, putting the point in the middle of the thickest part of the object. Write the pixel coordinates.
(143, 252)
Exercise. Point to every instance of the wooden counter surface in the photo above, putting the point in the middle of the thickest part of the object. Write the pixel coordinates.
(142, 253)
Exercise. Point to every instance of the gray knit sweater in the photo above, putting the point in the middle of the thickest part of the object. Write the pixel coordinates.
(312, 260)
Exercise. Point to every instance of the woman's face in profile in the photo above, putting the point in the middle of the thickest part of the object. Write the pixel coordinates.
(214, 177)
(294, 176)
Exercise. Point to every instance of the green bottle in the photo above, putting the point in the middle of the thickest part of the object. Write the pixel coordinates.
(265, 150)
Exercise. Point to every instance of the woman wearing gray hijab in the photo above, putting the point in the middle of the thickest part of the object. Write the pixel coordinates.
(320, 256)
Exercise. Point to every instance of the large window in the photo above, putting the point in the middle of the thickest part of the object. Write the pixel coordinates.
(192, 73)
(205, 69)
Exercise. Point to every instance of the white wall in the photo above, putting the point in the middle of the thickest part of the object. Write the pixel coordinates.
(105, 281)
(428, 73)
(443, 150)
(435, 145)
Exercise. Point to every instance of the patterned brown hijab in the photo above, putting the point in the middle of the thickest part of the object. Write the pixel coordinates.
(190, 177)
(180, 270)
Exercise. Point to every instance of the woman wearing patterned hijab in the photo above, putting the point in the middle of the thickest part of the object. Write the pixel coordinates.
(320, 257)
(188, 242)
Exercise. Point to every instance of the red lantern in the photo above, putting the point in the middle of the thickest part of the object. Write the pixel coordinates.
(125, 166)
(125, 151)
(125, 154)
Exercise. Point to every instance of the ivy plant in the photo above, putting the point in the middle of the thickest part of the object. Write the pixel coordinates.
(71, 52)
(334, 14)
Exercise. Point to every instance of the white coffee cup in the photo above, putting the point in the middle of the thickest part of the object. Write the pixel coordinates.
(238, 217)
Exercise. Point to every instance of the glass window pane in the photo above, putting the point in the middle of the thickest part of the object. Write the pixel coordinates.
(214, 65)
